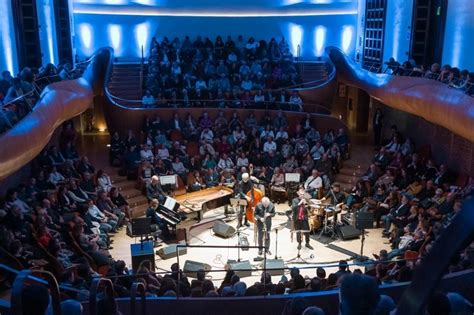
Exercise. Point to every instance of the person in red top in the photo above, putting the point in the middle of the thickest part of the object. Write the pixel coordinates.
(300, 217)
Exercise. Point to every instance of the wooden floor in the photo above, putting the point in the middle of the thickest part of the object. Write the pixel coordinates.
(96, 149)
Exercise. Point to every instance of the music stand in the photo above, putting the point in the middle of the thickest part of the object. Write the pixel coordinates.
(363, 220)
(298, 259)
(141, 227)
(169, 181)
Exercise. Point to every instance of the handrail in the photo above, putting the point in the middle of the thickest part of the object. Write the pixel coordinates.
(319, 108)
(137, 287)
(296, 87)
(18, 287)
(99, 284)
(36, 91)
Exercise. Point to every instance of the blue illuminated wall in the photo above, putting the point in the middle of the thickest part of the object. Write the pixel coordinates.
(397, 34)
(459, 34)
(8, 55)
(127, 25)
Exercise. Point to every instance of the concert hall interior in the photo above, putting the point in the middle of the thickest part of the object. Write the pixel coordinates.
(236, 157)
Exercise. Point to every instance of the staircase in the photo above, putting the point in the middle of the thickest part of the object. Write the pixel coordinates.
(137, 201)
(353, 169)
(125, 83)
(313, 71)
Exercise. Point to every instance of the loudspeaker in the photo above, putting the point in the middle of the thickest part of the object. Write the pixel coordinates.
(170, 251)
(140, 252)
(223, 229)
(364, 220)
(278, 265)
(192, 267)
(242, 269)
(348, 232)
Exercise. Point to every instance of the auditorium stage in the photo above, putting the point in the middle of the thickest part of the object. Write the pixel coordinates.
(202, 234)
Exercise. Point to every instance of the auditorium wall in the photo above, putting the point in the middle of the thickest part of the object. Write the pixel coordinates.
(127, 25)
(459, 34)
(445, 146)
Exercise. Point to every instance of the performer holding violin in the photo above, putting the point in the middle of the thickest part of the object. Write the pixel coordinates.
(245, 189)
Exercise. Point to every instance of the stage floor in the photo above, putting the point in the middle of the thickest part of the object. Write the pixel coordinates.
(202, 234)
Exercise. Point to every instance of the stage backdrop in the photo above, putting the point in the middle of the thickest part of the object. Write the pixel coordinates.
(127, 25)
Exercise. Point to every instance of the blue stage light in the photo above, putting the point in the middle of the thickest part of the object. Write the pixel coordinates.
(7, 38)
(296, 37)
(114, 32)
(142, 36)
(319, 40)
(85, 34)
(347, 34)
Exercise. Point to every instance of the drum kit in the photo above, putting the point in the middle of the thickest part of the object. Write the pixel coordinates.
(323, 216)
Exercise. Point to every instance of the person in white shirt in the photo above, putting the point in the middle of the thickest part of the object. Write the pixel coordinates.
(108, 221)
(104, 181)
(296, 100)
(225, 163)
(269, 145)
(146, 154)
(178, 167)
(267, 133)
(163, 152)
(55, 177)
(313, 184)
(238, 134)
(259, 97)
(148, 100)
(281, 135)
(242, 160)
(317, 151)
(207, 135)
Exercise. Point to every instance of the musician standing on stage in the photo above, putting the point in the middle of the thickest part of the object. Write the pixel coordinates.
(241, 190)
(300, 218)
(264, 212)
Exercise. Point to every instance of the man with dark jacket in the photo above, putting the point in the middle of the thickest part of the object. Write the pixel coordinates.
(300, 218)
(398, 213)
(264, 212)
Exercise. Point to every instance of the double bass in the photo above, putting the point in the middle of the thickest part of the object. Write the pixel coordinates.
(255, 196)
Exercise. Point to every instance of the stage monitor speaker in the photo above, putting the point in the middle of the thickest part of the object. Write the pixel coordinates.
(364, 220)
(223, 229)
(275, 267)
(170, 251)
(348, 232)
(140, 252)
(242, 269)
(192, 267)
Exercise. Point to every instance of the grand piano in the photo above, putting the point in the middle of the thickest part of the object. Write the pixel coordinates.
(191, 207)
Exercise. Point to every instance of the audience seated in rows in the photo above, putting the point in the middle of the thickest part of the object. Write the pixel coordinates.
(201, 73)
(454, 77)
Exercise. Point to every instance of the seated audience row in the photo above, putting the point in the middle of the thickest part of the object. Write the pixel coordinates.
(454, 77)
(200, 69)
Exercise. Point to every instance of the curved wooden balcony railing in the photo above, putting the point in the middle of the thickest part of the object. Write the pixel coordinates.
(58, 102)
(431, 100)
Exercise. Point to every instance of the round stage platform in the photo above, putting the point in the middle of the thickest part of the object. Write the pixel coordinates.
(326, 253)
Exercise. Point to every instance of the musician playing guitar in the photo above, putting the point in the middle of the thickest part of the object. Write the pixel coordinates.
(336, 196)
(300, 217)
(264, 212)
